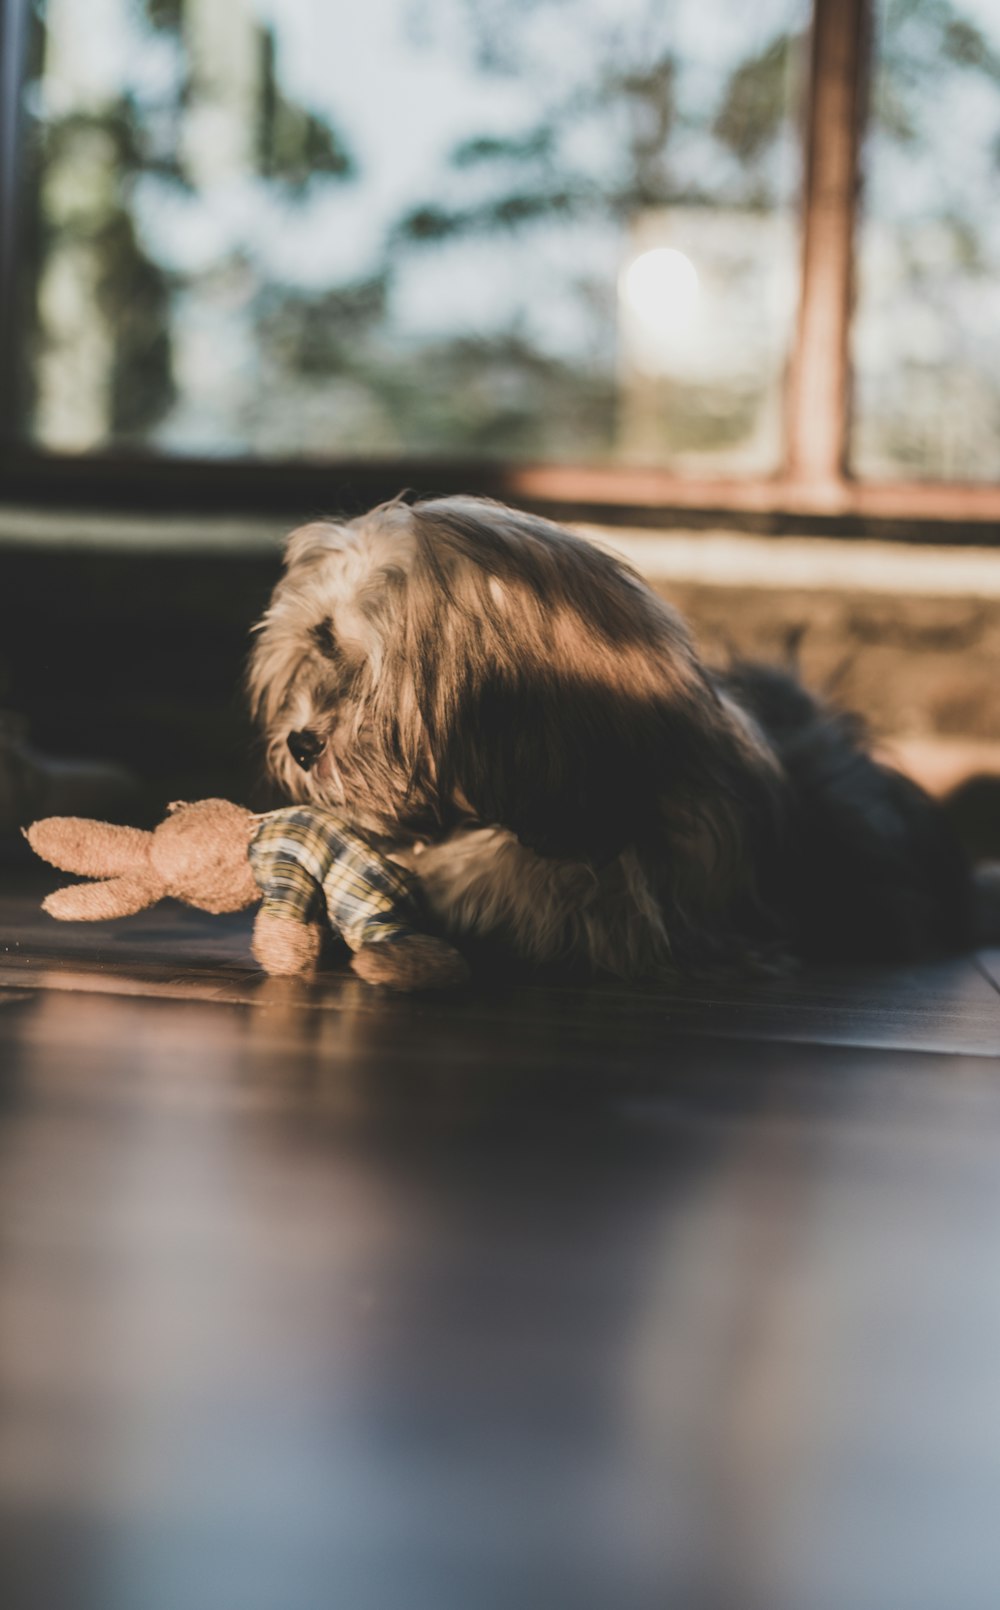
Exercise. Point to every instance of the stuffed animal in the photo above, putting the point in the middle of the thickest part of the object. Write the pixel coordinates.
(220, 857)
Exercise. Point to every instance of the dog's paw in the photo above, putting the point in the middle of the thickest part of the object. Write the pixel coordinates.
(414, 963)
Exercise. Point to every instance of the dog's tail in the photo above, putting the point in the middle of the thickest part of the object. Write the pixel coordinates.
(986, 903)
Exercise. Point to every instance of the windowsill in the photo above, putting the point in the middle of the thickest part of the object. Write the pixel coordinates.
(110, 531)
(142, 487)
(722, 557)
(908, 633)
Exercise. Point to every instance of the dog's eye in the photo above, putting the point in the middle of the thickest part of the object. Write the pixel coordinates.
(322, 636)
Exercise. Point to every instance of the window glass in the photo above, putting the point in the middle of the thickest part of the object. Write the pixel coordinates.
(551, 229)
(927, 325)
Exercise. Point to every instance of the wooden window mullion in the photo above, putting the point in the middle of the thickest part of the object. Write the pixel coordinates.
(819, 379)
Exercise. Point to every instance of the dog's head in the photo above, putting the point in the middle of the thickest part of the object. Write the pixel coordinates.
(457, 657)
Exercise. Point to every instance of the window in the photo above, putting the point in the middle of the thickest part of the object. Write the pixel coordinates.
(595, 252)
(534, 228)
(927, 331)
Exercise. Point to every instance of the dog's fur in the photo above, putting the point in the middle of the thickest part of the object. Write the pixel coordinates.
(519, 718)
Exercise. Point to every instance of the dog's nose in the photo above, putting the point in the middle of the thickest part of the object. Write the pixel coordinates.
(306, 748)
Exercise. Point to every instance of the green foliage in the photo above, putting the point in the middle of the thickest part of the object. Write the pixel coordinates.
(545, 184)
(295, 147)
(637, 99)
(166, 16)
(646, 98)
(753, 107)
(321, 334)
(917, 40)
(91, 155)
(892, 112)
(485, 148)
(133, 296)
(489, 396)
(430, 223)
(965, 45)
(501, 394)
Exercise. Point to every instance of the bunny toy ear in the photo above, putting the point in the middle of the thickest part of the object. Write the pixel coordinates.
(96, 849)
(93, 902)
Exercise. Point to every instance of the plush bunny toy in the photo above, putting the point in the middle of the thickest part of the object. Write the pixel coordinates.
(220, 857)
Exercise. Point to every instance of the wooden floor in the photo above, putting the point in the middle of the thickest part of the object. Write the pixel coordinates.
(312, 1299)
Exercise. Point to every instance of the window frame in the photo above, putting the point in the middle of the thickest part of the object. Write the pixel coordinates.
(813, 490)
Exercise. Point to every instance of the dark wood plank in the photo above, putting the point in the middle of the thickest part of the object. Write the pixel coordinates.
(173, 952)
(989, 962)
(389, 1306)
(168, 933)
(957, 1011)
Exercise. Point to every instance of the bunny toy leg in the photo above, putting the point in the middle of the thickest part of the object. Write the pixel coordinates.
(305, 854)
(285, 946)
(288, 930)
(375, 904)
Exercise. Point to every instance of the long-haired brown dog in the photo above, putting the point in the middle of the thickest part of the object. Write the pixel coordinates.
(519, 718)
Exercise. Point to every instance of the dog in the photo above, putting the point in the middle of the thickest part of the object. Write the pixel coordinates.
(514, 715)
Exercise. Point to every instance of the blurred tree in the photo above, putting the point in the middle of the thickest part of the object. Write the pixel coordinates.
(917, 40)
(629, 96)
(85, 251)
(926, 360)
(83, 244)
(613, 136)
(294, 146)
(755, 102)
(611, 131)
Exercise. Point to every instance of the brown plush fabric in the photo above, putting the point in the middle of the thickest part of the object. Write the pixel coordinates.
(417, 962)
(198, 854)
(95, 849)
(285, 947)
(99, 902)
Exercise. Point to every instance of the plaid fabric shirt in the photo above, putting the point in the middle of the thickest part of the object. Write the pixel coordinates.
(304, 855)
